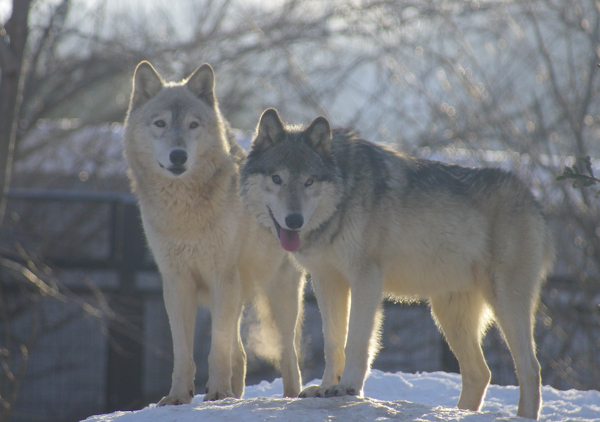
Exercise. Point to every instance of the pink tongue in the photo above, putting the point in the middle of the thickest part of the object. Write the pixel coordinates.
(290, 239)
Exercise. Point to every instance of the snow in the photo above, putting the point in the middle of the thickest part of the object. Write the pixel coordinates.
(388, 397)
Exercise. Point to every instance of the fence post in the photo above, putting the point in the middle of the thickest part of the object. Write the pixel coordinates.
(124, 383)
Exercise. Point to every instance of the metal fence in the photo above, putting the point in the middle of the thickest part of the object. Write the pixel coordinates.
(82, 363)
(113, 246)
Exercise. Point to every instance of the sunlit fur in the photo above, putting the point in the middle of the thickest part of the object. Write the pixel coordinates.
(379, 223)
(208, 248)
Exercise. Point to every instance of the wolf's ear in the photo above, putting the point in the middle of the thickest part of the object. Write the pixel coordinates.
(202, 83)
(270, 129)
(146, 84)
(318, 135)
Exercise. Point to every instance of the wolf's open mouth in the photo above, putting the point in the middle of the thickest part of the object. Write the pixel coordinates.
(289, 239)
(176, 170)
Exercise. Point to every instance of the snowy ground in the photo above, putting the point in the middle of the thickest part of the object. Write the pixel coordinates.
(424, 397)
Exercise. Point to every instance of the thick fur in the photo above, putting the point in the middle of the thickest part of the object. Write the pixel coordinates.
(377, 223)
(184, 168)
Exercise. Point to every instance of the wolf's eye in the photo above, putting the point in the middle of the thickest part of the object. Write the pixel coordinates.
(193, 125)
(308, 183)
(160, 123)
(276, 179)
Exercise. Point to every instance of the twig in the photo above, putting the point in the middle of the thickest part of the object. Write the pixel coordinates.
(581, 180)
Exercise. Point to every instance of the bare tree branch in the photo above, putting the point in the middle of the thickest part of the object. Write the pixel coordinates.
(11, 89)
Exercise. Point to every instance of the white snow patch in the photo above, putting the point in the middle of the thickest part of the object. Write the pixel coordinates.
(388, 397)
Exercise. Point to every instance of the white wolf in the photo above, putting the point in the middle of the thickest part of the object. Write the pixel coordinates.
(369, 222)
(184, 168)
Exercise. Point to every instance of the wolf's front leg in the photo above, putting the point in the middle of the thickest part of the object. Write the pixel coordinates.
(238, 376)
(180, 297)
(363, 332)
(225, 309)
(333, 297)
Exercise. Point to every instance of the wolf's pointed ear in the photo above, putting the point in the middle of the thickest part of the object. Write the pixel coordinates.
(318, 135)
(202, 83)
(270, 129)
(146, 84)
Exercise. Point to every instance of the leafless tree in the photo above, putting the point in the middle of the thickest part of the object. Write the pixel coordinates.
(36, 80)
(11, 89)
(492, 82)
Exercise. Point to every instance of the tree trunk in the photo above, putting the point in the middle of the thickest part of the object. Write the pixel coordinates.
(13, 39)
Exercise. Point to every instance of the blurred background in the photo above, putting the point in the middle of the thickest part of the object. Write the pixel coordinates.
(83, 329)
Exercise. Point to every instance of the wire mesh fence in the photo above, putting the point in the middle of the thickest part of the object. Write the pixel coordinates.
(97, 339)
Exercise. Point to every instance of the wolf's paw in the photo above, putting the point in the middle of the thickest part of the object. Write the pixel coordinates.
(218, 395)
(340, 390)
(173, 400)
(310, 391)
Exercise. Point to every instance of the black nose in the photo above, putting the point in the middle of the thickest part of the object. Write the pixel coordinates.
(178, 157)
(294, 221)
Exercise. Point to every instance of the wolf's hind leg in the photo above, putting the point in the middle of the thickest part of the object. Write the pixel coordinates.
(238, 377)
(463, 318)
(286, 303)
(515, 317)
(225, 310)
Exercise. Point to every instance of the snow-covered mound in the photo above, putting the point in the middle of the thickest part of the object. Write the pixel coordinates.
(389, 397)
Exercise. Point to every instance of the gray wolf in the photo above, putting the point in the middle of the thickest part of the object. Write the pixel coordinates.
(184, 169)
(368, 222)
